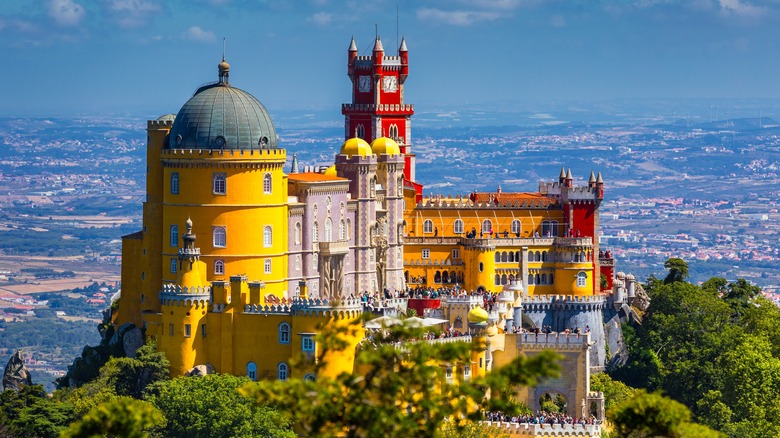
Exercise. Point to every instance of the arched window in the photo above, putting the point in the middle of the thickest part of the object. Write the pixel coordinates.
(393, 132)
(219, 237)
(309, 378)
(267, 266)
(251, 371)
(267, 183)
(537, 279)
(328, 230)
(445, 277)
(315, 232)
(281, 371)
(372, 188)
(517, 256)
(538, 256)
(268, 239)
(428, 226)
(498, 280)
(219, 181)
(284, 333)
(297, 262)
(219, 267)
(582, 279)
(544, 256)
(174, 265)
(342, 230)
(297, 233)
(504, 257)
(487, 226)
(544, 279)
(360, 131)
(174, 235)
(175, 183)
(437, 277)
(552, 281)
(515, 229)
(457, 228)
(511, 256)
(497, 258)
(530, 279)
(349, 228)
(503, 279)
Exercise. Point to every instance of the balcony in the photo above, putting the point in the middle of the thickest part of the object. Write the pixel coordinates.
(384, 108)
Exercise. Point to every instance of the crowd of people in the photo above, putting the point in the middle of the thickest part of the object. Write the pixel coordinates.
(541, 417)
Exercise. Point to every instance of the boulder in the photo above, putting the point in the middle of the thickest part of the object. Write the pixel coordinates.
(200, 370)
(16, 375)
(116, 343)
(641, 300)
(132, 341)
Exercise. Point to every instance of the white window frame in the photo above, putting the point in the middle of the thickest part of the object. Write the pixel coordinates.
(219, 183)
(267, 266)
(219, 267)
(219, 237)
(426, 253)
(427, 226)
(487, 226)
(267, 184)
(268, 236)
(456, 254)
(582, 279)
(457, 227)
(297, 233)
(516, 227)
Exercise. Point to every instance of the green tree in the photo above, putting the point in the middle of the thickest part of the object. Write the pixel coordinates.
(615, 391)
(122, 417)
(29, 413)
(210, 406)
(130, 376)
(653, 415)
(401, 389)
(678, 270)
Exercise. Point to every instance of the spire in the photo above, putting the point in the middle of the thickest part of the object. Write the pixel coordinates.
(224, 71)
(378, 45)
(592, 178)
(294, 167)
(352, 45)
(403, 45)
(568, 174)
(598, 179)
(563, 173)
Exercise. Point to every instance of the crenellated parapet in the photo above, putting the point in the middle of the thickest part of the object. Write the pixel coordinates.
(158, 124)
(349, 308)
(175, 295)
(554, 341)
(564, 302)
(526, 430)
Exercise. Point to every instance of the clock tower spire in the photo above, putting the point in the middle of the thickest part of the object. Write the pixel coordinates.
(377, 108)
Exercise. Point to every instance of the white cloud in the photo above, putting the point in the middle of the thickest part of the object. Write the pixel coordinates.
(457, 18)
(739, 7)
(195, 33)
(321, 18)
(66, 12)
(133, 13)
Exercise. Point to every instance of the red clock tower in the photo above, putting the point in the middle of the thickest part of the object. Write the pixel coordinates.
(378, 108)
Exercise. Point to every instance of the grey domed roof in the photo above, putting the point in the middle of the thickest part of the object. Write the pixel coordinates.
(219, 116)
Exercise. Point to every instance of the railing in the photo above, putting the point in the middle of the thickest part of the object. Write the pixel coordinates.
(523, 430)
(347, 107)
(501, 241)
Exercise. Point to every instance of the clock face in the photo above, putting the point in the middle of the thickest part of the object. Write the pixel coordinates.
(364, 84)
(390, 84)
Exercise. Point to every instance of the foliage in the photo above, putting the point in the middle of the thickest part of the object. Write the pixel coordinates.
(122, 417)
(678, 270)
(653, 415)
(210, 406)
(401, 387)
(30, 413)
(615, 391)
(714, 348)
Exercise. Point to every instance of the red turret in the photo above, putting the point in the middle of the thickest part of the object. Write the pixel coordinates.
(379, 54)
(352, 55)
(403, 52)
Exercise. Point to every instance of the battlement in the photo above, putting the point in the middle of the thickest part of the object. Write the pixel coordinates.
(460, 202)
(275, 153)
(311, 306)
(392, 108)
(525, 430)
(173, 294)
(561, 341)
(157, 124)
(463, 299)
(575, 299)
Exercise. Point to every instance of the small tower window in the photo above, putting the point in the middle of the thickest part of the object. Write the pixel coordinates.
(219, 237)
(281, 371)
(307, 344)
(458, 227)
(284, 333)
(187, 330)
(393, 132)
(175, 183)
(174, 235)
(328, 230)
(428, 226)
(372, 187)
(360, 132)
(297, 262)
(297, 233)
(268, 239)
(267, 186)
(342, 230)
(267, 266)
(251, 371)
(315, 231)
(426, 253)
(219, 267)
(174, 265)
(582, 279)
(219, 183)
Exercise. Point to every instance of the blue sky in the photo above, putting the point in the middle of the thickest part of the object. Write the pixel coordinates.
(148, 56)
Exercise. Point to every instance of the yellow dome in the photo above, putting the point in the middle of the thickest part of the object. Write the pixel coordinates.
(356, 146)
(331, 171)
(478, 315)
(384, 145)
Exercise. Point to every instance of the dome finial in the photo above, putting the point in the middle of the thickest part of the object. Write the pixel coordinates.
(224, 67)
